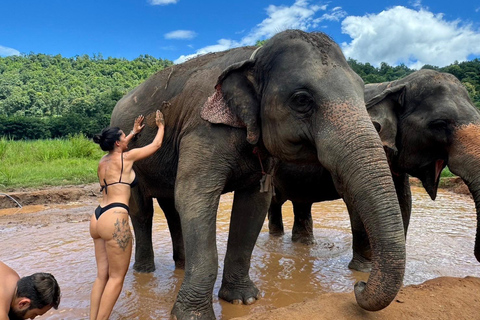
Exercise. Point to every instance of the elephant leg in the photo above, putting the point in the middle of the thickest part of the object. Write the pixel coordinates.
(198, 220)
(248, 214)
(198, 188)
(404, 193)
(175, 227)
(141, 213)
(275, 219)
(362, 254)
(303, 224)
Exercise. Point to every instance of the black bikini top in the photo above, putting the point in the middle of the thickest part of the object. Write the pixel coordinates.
(131, 184)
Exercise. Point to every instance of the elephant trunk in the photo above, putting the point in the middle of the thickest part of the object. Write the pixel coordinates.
(355, 157)
(475, 190)
(464, 161)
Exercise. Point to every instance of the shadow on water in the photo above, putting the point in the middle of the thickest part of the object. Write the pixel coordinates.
(440, 243)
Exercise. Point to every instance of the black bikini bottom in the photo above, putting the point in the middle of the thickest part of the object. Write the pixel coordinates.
(99, 211)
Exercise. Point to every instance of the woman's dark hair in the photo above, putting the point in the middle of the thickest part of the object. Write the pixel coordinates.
(41, 288)
(107, 138)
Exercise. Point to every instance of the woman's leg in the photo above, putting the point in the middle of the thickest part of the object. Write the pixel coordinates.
(102, 269)
(102, 277)
(118, 244)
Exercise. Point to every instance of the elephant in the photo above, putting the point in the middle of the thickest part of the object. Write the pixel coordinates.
(229, 117)
(426, 121)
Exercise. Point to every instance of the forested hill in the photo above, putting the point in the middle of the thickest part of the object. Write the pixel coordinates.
(45, 96)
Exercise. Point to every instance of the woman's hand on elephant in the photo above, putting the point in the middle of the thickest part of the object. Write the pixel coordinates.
(159, 119)
(138, 126)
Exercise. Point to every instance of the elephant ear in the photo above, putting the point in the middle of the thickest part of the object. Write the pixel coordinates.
(235, 100)
(385, 121)
(374, 93)
(383, 102)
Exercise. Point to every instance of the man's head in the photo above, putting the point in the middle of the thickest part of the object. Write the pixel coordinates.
(34, 296)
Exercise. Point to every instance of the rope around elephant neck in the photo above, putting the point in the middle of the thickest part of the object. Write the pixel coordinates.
(257, 152)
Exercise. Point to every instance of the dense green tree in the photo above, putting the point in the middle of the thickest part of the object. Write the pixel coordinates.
(81, 90)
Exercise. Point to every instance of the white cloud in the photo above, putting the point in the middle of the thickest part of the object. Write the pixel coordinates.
(5, 51)
(222, 45)
(162, 2)
(402, 35)
(300, 15)
(181, 34)
(336, 15)
(416, 4)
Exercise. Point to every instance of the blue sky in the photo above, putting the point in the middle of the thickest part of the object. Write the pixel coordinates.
(419, 32)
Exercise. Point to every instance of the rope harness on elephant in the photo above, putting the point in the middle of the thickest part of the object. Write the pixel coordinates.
(266, 182)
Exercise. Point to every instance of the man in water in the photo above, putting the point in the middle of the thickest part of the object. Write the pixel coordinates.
(27, 297)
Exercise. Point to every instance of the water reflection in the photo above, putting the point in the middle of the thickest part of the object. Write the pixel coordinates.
(440, 243)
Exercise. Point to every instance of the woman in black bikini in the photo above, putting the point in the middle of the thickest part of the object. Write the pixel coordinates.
(109, 226)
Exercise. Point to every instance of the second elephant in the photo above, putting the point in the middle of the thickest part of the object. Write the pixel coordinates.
(426, 121)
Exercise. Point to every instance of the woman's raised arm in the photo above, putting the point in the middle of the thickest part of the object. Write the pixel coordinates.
(149, 149)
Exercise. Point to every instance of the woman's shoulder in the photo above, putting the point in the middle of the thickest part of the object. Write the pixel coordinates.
(106, 157)
(128, 155)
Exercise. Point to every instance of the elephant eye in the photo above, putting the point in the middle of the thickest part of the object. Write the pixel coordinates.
(439, 124)
(301, 101)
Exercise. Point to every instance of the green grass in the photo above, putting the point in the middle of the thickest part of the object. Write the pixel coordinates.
(447, 174)
(69, 161)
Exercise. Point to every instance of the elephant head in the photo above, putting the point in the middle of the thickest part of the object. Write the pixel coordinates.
(427, 121)
(299, 98)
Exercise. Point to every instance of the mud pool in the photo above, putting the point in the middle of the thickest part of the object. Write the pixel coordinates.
(55, 239)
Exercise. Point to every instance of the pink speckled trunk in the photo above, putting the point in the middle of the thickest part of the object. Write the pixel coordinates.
(464, 161)
(349, 147)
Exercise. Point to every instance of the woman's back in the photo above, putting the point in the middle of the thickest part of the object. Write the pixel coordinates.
(116, 178)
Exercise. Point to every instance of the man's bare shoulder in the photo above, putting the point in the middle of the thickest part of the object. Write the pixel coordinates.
(8, 283)
(6, 271)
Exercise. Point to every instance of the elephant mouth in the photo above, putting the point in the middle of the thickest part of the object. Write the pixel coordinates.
(430, 176)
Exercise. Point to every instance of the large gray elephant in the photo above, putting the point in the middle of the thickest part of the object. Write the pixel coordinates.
(228, 116)
(426, 121)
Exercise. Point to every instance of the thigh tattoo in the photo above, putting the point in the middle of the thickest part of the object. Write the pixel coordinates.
(122, 233)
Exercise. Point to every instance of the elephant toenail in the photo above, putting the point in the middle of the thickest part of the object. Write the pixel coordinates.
(237, 301)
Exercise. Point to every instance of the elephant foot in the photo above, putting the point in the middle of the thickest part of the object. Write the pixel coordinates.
(276, 233)
(144, 267)
(181, 312)
(275, 230)
(360, 263)
(239, 293)
(180, 264)
(179, 258)
(307, 239)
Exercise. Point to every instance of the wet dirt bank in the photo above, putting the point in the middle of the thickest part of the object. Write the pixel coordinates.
(65, 194)
(441, 298)
(47, 195)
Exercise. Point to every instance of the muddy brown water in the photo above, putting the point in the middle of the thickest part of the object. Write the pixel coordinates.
(55, 239)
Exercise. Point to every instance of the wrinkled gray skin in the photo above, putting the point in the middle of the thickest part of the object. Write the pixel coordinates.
(418, 119)
(296, 100)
